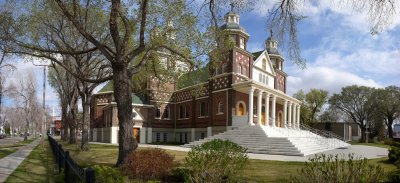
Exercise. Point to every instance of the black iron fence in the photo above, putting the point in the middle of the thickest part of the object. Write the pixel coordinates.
(72, 172)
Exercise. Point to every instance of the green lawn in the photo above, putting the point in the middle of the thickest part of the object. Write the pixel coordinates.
(256, 170)
(6, 151)
(375, 144)
(39, 166)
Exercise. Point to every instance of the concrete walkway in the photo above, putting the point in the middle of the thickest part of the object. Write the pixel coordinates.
(361, 151)
(9, 163)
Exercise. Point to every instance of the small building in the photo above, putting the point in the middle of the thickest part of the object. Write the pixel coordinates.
(348, 131)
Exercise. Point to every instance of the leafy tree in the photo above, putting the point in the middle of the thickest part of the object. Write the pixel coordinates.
(313, 102)
(354, 102)
(387, 105)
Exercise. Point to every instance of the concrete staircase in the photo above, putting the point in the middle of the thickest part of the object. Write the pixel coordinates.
(278, 141)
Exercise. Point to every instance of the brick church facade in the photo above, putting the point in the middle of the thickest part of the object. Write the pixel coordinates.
(244, 89)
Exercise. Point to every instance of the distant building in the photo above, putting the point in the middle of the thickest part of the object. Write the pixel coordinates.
(348, 131)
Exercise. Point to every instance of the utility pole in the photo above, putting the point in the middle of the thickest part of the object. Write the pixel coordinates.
(44, 125)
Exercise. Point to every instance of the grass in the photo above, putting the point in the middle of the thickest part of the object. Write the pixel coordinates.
(6, 151)
(255, 171)
(374, 144)
(19, 144)
(39, 166)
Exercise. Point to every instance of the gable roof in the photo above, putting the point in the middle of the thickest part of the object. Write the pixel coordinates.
(259, 55)
(107, 88)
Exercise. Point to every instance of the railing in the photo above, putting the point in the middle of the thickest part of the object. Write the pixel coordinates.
(323, 133)
(72, 172)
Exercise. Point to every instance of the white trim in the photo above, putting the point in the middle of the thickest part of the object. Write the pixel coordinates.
(184, 101)
(221, 90)
(202, 98)
(203, 83)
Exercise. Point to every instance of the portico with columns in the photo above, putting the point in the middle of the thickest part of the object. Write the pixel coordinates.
(267, 107)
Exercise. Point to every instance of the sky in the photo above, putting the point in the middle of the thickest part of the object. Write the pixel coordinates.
(335, 41)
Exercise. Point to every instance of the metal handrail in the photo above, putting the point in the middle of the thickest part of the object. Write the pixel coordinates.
(323, 133)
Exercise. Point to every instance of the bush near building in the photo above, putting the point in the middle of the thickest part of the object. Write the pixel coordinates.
(329, 168)
(215, 161)
(149, 164)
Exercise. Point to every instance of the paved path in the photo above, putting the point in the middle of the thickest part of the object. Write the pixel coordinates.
(9, 163)
(361, 151)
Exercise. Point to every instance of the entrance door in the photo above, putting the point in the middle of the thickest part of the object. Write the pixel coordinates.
(279, 119)
(136, 134)
(263, 116)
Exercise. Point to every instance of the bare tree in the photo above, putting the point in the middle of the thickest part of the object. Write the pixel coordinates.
(24, 94)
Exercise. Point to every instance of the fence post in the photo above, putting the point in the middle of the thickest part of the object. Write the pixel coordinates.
(89, 175)
(66, 167)
(60, 160)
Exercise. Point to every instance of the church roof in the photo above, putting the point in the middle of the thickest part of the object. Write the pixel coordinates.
(107, 88)
(194, 77)
(257, 54)
(233, 26)
(110, 88)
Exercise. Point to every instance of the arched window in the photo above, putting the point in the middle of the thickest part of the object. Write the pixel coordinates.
(202, 109)
(166, 112)
(240, 108)
(224, 68)
(187, 111)
(241, 43)
(182, 111)
(157, 112)
(239, 69)
(244, 71)
(264, 64)
(220, 108)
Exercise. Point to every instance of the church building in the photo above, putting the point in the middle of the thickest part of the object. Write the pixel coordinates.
(245, 89)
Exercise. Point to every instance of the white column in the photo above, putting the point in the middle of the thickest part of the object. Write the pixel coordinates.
(273, 110)
(149, 135)
(295, 115)
(259, 106)
(267, 109)
(285, 113)
(250, 107)
(290, 114)
(209, 131)
(193, 134)
(298, 116)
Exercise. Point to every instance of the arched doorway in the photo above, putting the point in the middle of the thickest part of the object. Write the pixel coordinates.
(240, 108)
(280, 119)
(263, 115)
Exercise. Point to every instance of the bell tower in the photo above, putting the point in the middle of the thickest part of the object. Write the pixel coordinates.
(239, 60)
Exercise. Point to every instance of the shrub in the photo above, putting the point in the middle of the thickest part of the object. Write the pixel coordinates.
(323, 168)
(394, 154)
(215, 161)
(107, 174)
(149, 164)
(394, 176)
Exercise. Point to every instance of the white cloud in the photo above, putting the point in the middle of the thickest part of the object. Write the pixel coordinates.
(326, 78)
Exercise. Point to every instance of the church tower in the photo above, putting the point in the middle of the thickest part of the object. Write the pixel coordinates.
(239, 61)
(277, 60)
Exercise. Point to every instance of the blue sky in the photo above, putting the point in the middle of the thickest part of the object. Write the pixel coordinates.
(335, 41)
(337, 44)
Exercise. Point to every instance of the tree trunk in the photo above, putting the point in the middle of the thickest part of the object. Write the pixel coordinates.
(64, 122)
(85, 121)
(390, 128)
(123, 98)
(72, 134)
(363, 134)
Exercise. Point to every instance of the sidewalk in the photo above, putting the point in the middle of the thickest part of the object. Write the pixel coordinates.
(361, 151)
(9, 163)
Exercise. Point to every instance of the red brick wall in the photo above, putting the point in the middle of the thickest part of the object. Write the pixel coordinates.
(218, 119)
